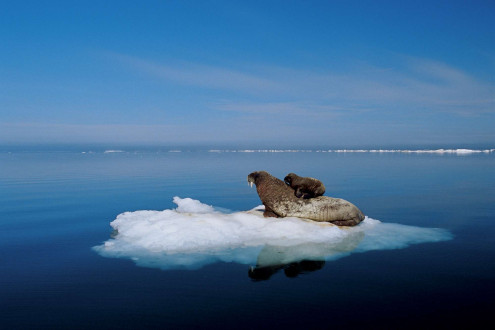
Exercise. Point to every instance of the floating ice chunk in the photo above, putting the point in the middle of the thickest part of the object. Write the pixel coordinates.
(195, 234)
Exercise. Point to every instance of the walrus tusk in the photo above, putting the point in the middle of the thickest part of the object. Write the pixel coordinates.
(250, 184)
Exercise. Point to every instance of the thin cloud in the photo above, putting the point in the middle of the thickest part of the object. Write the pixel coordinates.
(194, 74)
(53, 132)
(417, 84)
(280, 108)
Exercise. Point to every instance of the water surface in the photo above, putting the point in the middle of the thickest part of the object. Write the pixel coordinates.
(57, 205)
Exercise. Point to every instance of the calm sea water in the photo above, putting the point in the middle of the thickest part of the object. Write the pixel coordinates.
(57, 205)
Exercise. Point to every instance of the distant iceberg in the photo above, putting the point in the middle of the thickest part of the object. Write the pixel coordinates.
(195, 234)
(111, 151)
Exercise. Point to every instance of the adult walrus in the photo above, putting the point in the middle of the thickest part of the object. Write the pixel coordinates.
(305, 187)
(280, 201)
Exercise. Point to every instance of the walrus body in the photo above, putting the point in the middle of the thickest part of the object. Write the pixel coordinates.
(280, 201)
(305, 187)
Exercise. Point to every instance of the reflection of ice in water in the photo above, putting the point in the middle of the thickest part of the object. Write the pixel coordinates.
(331, 250)
(195, 234)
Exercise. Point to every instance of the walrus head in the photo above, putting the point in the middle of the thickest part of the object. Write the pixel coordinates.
(254, 177)
(288, 178)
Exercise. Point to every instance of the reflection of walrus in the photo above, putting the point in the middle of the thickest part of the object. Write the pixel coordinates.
(280, 201)
(291, 270)
(305, 187)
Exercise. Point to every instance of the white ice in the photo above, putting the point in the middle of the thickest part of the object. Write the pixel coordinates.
(195, 234)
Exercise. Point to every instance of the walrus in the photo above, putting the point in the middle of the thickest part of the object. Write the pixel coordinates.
(279, 201)
(305, 187)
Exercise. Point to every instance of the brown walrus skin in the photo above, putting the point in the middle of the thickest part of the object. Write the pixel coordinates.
(305, 187)
(280, 201)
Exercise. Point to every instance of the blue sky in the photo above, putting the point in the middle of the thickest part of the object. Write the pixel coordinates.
(257, 73)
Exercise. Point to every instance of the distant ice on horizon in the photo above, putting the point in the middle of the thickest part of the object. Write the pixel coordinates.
(195, 234)
(112, 151)
(418, 151)
(456, 151)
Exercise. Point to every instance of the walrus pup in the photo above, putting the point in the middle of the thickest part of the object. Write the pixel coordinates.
(305, 187)
(280, 201)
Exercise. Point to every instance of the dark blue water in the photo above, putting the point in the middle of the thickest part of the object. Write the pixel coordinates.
(56, 205)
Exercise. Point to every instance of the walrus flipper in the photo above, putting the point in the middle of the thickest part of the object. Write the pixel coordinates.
(268, 213)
